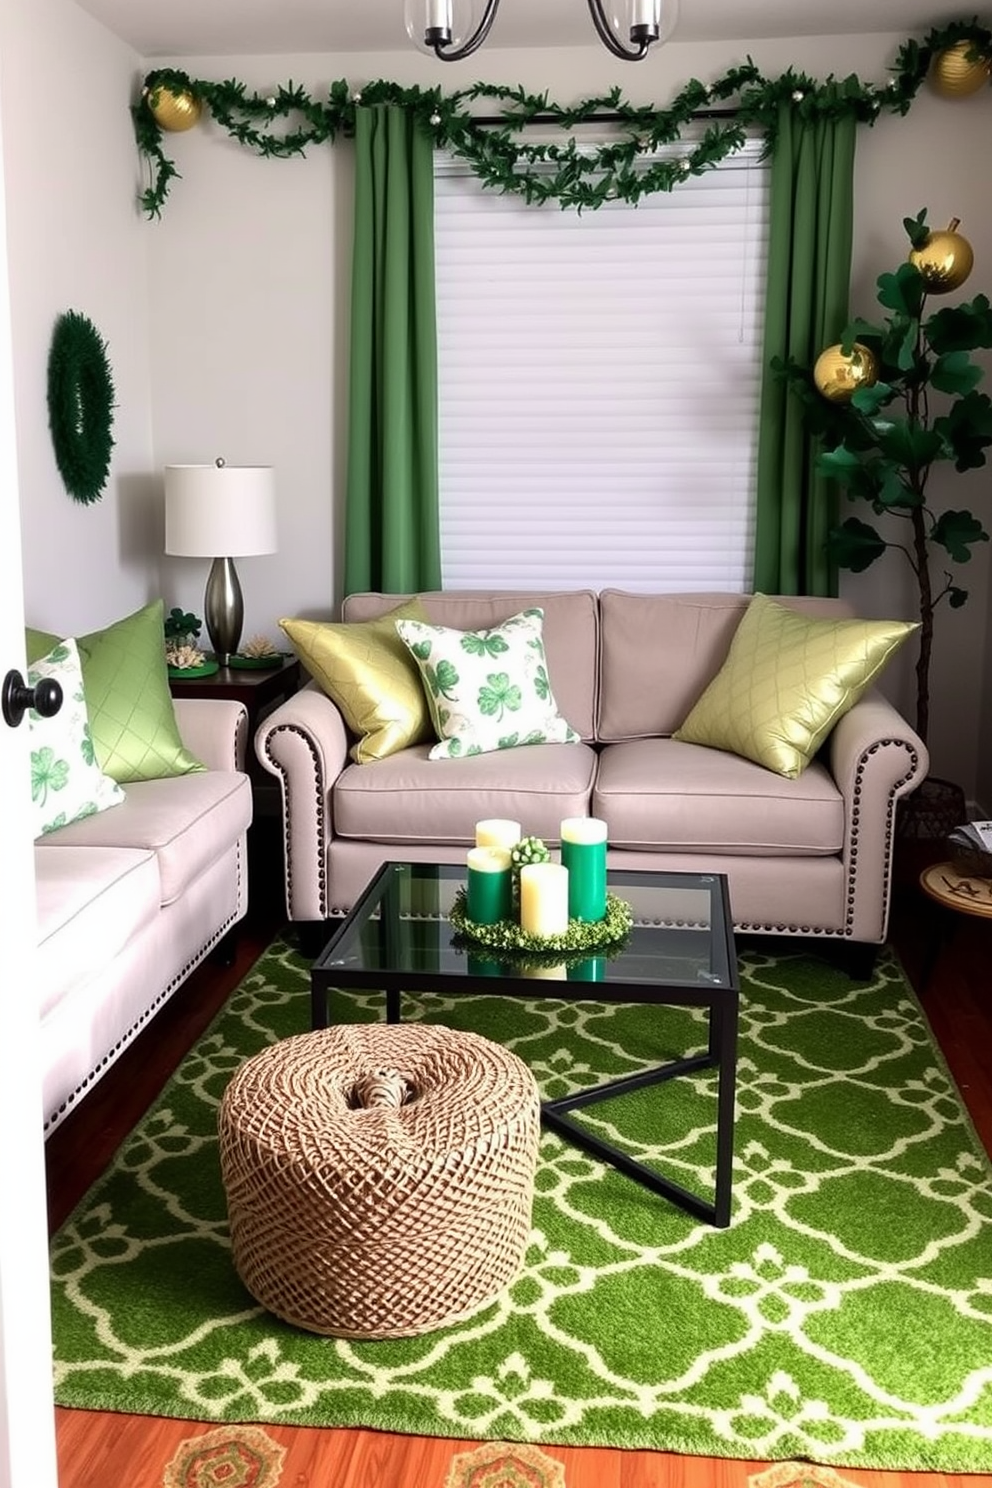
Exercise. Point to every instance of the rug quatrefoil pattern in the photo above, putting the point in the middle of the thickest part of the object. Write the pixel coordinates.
(844, 1317)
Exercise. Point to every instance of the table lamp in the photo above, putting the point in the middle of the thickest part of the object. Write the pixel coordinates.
(221, 512)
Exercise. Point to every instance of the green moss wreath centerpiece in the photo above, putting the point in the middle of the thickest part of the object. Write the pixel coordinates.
(581, 938)
(80, 406)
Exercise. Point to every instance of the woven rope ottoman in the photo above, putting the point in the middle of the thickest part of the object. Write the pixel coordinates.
(379, 1178)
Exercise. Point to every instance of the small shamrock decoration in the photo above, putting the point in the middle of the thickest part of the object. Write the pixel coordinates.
(528, 850)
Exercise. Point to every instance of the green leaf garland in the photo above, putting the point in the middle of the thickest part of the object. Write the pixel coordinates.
(569, 173)
(80, 406)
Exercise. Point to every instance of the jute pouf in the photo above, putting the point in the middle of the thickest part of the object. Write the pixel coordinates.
(379, 1178)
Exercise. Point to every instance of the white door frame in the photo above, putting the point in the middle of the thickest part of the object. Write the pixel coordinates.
(27, 1424)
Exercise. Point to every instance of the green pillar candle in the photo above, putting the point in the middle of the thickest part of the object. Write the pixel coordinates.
(583, 852)
(490, 885)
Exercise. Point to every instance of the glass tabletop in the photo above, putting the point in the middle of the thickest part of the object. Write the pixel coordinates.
(399, 931)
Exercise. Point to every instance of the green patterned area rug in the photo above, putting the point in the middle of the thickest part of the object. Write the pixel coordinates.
(844, 1317)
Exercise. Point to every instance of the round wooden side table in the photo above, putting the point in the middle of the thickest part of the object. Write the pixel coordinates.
(958, 892)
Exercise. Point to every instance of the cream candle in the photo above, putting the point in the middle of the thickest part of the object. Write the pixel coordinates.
(497, 833)
(547, 973)
(489, 893)
(544, 899)
(583, 852)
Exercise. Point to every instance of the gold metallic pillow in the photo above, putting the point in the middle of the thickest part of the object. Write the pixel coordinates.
(366, 670)
(786, 681)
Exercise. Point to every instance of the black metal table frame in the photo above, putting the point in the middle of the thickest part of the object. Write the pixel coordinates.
(721, 1052)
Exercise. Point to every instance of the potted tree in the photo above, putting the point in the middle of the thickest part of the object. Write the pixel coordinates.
(868, 403)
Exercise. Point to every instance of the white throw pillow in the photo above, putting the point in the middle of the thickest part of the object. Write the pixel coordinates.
(487, 689)
(66, 781)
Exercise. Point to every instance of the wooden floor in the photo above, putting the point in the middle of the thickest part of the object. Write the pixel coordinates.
(948, 963)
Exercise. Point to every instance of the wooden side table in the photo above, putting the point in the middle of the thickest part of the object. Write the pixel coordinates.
(260, 689)
(955, 893)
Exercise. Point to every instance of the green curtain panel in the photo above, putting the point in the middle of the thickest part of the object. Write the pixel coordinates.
(392, 540)
(809, 270)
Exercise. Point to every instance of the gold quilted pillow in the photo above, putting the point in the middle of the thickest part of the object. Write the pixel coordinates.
(786, 681)
(366, 670)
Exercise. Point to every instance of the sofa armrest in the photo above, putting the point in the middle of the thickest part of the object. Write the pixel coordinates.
(304, 743)
(875, 757)
(215, 730)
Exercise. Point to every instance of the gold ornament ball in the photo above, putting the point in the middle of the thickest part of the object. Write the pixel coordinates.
(945, 260)
(838, 376)
(955, 75)
(174, 111)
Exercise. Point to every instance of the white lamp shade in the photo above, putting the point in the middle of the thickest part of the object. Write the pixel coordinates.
(219, 511)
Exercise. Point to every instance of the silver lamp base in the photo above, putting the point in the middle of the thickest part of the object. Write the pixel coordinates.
(224, 609)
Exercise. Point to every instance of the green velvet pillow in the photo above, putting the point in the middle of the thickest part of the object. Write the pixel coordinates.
(786, 681)
(126, 683)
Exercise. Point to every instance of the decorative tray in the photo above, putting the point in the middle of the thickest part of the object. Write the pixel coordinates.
(257, 663)
(205, 669)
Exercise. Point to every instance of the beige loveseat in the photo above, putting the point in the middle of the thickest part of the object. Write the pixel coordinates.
(804, 857)
(132, 899)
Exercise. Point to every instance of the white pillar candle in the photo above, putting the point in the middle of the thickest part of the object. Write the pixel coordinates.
(544, 899)
(497, 833)
(547, 973)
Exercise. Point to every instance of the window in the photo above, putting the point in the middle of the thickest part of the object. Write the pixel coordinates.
(599, 384)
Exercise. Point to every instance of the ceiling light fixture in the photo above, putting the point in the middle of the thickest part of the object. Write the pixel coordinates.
(445, 27)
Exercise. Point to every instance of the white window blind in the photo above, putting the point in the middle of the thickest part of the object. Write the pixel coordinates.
(599, 378)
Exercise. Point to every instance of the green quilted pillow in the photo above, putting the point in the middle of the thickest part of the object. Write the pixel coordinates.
(126, 683)
(787, 679)
(487, 689)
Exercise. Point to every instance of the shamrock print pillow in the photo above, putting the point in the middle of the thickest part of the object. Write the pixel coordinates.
(66, 780)
(487, 689)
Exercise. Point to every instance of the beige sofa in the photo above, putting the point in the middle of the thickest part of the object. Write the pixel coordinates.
(131, 900)
(804, 857)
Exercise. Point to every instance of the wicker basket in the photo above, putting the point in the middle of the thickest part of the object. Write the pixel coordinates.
(379, 1178)
(933, 810)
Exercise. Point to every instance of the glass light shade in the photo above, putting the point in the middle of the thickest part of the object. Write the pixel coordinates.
(427, 18)
(634, 23)
(219, 510)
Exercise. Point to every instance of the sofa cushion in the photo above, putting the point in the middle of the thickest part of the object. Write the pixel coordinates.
(188, 823)
(91, 901)
(487, 689)
(570, 634)
(787, 680)
(126, 681)
(66, 781)
(370, 676)
(662, 794)
(410, 798)
(660, 650)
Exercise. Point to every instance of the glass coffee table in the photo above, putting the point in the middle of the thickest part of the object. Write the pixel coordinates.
(679, 953)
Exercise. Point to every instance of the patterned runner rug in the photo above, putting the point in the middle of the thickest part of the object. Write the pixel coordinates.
(844, 1317)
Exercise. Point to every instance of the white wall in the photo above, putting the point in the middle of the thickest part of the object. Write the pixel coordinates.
(76, 241)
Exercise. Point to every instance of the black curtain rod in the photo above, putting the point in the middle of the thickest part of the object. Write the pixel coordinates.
(719, 113)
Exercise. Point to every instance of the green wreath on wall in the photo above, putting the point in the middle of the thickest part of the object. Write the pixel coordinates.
(80, 406)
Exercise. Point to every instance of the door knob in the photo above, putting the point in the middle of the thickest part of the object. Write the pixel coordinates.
(45, 698)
